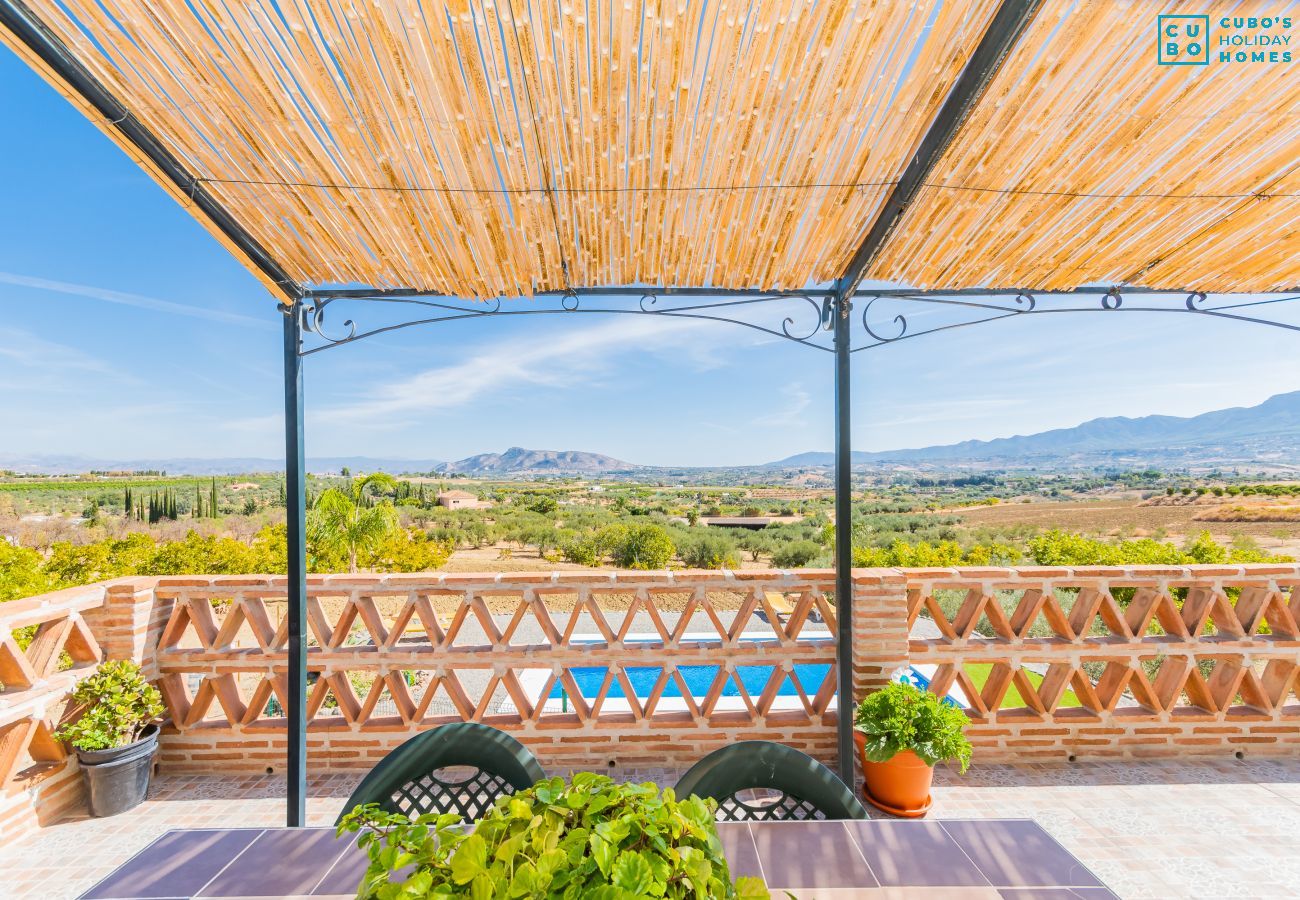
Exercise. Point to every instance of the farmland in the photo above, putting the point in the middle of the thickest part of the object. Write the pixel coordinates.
(58, 532)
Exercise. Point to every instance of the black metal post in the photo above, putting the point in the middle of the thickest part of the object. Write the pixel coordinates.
(844, 541)
(295, 503)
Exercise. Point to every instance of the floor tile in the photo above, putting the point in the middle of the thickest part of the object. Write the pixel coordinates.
(914, 853)
(1019, 854)
(738, 847)
(1080, 893)
(798, 856)
(1099, 811)
(279, 863)
(178, 864)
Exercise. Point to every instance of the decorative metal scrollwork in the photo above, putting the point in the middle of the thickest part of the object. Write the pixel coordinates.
(900, 320)
(747, 308)
(313, 320)
(789, 322)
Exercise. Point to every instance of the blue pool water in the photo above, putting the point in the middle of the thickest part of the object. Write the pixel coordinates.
(699, 679)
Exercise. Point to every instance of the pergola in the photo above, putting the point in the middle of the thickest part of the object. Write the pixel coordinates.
(769, 163)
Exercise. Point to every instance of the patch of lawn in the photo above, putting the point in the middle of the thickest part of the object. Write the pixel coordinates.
(979, 674)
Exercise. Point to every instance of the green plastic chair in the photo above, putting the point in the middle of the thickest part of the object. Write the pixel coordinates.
(806, 788)
(406, 781)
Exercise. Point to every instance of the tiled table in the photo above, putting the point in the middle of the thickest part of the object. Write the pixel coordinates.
(887, 860)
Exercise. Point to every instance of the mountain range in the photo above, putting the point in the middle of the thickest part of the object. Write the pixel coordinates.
(1263, 435)
(520, 461)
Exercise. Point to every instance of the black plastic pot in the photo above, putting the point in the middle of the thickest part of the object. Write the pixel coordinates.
(118, 779)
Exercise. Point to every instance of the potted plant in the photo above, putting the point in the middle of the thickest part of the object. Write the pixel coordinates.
(589, 838)
(115, 736)
(901, 732)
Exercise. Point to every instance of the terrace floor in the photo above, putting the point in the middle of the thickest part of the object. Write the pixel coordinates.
(1159, 829)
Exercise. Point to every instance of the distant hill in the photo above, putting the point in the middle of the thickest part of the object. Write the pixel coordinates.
(1263, 436)
(72, 465)
(1268, 433)
(520, 461)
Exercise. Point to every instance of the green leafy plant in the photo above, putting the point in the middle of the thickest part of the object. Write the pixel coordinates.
(904, 717)
(348, 522)
(589, 838)
(118, 703)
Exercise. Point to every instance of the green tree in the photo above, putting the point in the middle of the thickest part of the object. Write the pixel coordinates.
(796, 554)
(21, 573)
(644, 547)
(406, 551)
(348, 522)
(709, 551)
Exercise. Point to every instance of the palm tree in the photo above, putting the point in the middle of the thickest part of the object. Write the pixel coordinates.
(350, 519)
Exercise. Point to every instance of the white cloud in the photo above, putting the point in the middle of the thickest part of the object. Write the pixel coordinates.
(797, 401)
(137, 300)
(33, 362)
(578, 358)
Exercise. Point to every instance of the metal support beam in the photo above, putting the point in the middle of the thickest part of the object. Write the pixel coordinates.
(295, 502)
(843, 542)
(59, 64)
(1007, 25)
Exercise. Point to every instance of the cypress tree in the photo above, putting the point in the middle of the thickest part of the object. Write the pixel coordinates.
(198, 503)
(212, 499)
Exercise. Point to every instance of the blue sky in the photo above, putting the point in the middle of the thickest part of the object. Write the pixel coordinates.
(126, 331)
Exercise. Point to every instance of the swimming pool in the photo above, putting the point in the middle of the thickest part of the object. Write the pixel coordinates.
(698, 679)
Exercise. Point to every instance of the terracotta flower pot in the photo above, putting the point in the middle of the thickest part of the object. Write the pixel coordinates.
(900, 786)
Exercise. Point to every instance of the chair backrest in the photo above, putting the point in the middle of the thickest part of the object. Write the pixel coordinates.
(406, 780)
(802, 787)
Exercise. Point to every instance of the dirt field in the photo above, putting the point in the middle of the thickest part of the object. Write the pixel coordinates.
(1133, 519)
(490, 559)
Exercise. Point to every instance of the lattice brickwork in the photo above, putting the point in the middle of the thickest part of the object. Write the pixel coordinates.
(46, 646)
(654, 668)
(584, 667)
(1113, 662)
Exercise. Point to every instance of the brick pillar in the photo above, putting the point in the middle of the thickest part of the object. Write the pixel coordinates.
(879, 627)
(129, 622)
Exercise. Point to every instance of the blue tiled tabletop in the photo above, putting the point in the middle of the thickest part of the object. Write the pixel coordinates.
(976, 859)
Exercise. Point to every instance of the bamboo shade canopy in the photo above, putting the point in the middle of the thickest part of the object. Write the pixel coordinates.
(502, 148)
(1087, 163)
(505, 147)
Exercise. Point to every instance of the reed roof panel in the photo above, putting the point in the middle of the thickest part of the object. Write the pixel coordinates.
(505, 147)
(481, 148)
(1086, 162)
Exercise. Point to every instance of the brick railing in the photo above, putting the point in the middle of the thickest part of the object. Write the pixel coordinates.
(1114, 662)
(46, 645)
(658, 668)
(589, 669)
